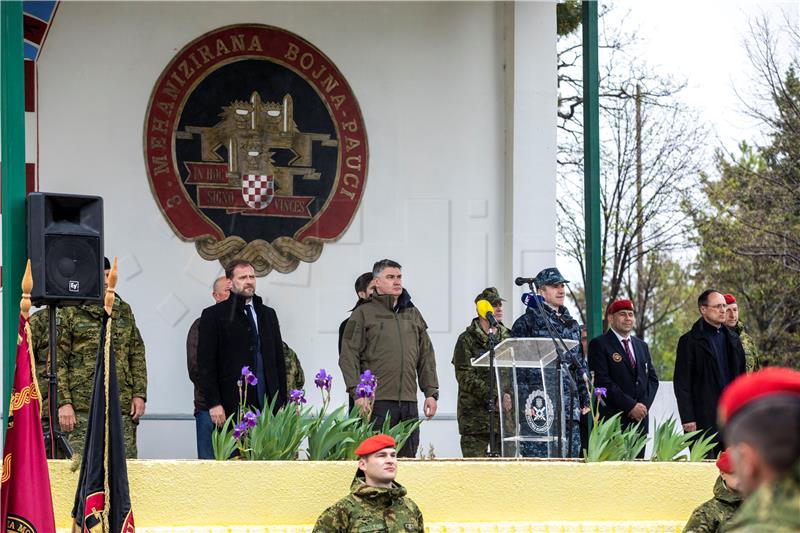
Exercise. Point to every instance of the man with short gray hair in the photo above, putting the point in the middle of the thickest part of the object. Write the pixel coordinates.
(388, 336)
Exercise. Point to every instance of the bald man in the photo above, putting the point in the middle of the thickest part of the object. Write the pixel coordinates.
(220, 291)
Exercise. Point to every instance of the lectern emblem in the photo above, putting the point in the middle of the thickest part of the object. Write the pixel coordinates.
(255, 147)
(539, 412)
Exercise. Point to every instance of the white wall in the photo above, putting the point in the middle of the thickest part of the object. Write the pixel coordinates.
(459, 104)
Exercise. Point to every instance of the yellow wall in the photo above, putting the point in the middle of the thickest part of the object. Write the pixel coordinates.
(534, 495)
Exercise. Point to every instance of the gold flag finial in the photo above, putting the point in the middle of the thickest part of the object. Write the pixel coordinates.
(111, 287)
(27, 286)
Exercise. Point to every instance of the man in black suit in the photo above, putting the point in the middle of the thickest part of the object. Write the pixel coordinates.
(240, 331)
(708, 358)
(621, 364)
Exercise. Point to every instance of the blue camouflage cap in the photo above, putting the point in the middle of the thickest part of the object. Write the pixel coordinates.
(549, 276)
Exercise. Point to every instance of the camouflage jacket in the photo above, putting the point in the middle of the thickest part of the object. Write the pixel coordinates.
(295, 378)
(532, 324)
(40, 344)
(750, 350)
(773, 508)
(78, 343)
(711, 515)
(371, 509)
(473, 382)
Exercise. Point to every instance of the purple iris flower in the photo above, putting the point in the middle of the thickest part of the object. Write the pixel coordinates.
(323, 380)
(245, 371)
(368, 378)
(251, 418)
(240, 430)
(252, 379)
(600, 392)
(297, 396)
(363, 390)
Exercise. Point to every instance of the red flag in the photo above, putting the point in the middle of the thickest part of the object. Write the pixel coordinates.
(27, 504)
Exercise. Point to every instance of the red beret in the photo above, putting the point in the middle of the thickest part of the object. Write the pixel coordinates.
(729, 299)
(724, 462)
(747, 388)
(374, 444)
(619, 305)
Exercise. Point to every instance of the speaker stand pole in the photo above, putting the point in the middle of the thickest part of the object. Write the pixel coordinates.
(57, 439)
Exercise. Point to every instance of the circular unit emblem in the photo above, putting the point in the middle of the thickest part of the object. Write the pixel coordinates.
(539, 412)
(255, 147)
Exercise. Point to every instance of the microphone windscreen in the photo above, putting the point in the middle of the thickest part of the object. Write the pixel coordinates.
(528, 299)
(483, 307)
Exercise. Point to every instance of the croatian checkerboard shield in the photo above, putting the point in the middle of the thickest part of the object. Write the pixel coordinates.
(257, 190)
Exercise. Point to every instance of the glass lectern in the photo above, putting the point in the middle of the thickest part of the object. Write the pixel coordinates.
(530, 422)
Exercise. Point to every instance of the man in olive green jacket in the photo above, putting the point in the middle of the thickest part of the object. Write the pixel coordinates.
(388, 336)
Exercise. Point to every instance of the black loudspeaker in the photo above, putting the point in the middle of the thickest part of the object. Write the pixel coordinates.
(65, 246)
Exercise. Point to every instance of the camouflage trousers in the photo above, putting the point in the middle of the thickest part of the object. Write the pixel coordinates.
(478, 445)
(77, 437)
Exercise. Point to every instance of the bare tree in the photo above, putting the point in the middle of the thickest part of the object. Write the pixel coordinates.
(652, 150)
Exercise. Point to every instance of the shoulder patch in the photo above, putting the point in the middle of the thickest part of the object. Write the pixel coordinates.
(349, 329)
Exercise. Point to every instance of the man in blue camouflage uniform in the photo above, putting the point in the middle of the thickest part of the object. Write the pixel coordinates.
(550, 285)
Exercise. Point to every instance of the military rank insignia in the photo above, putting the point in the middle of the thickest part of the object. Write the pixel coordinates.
(255, 147)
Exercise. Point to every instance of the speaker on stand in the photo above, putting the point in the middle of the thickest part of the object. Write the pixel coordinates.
(65, 247)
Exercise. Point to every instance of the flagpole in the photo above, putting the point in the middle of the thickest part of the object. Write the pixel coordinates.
(108, 305)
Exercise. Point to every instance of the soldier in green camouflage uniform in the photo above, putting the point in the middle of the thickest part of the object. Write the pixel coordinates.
(473, 382)
(759, 415)
(371, 509)
(376, 501)
(733, 323)
(750, 351)
(295, 378)
(773, 508)
(713, 514)
(78, 343)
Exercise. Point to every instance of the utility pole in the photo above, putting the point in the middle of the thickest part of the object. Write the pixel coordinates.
(639, 217)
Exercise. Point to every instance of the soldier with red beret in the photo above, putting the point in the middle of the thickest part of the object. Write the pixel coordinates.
(713, 514)
(735, 325)
(376, 501)
(759, 415)
(621, 364)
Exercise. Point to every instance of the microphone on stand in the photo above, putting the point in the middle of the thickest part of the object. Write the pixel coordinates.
(519, 282)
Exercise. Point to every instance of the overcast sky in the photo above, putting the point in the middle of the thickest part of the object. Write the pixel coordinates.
(701, 42)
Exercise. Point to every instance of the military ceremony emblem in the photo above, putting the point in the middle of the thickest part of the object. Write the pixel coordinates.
(255, 147)
(539, 412)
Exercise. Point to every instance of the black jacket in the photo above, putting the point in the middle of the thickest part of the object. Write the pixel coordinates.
(696, 380)
(225, 347)
(625, 385)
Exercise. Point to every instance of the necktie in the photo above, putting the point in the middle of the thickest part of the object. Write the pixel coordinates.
(261, 386)
(631, 358)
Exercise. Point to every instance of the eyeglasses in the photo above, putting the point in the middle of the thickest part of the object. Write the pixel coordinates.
(718, 307)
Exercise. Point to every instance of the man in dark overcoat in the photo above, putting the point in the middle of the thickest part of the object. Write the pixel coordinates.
(621, 364)
(708, 358)
(240, 331)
